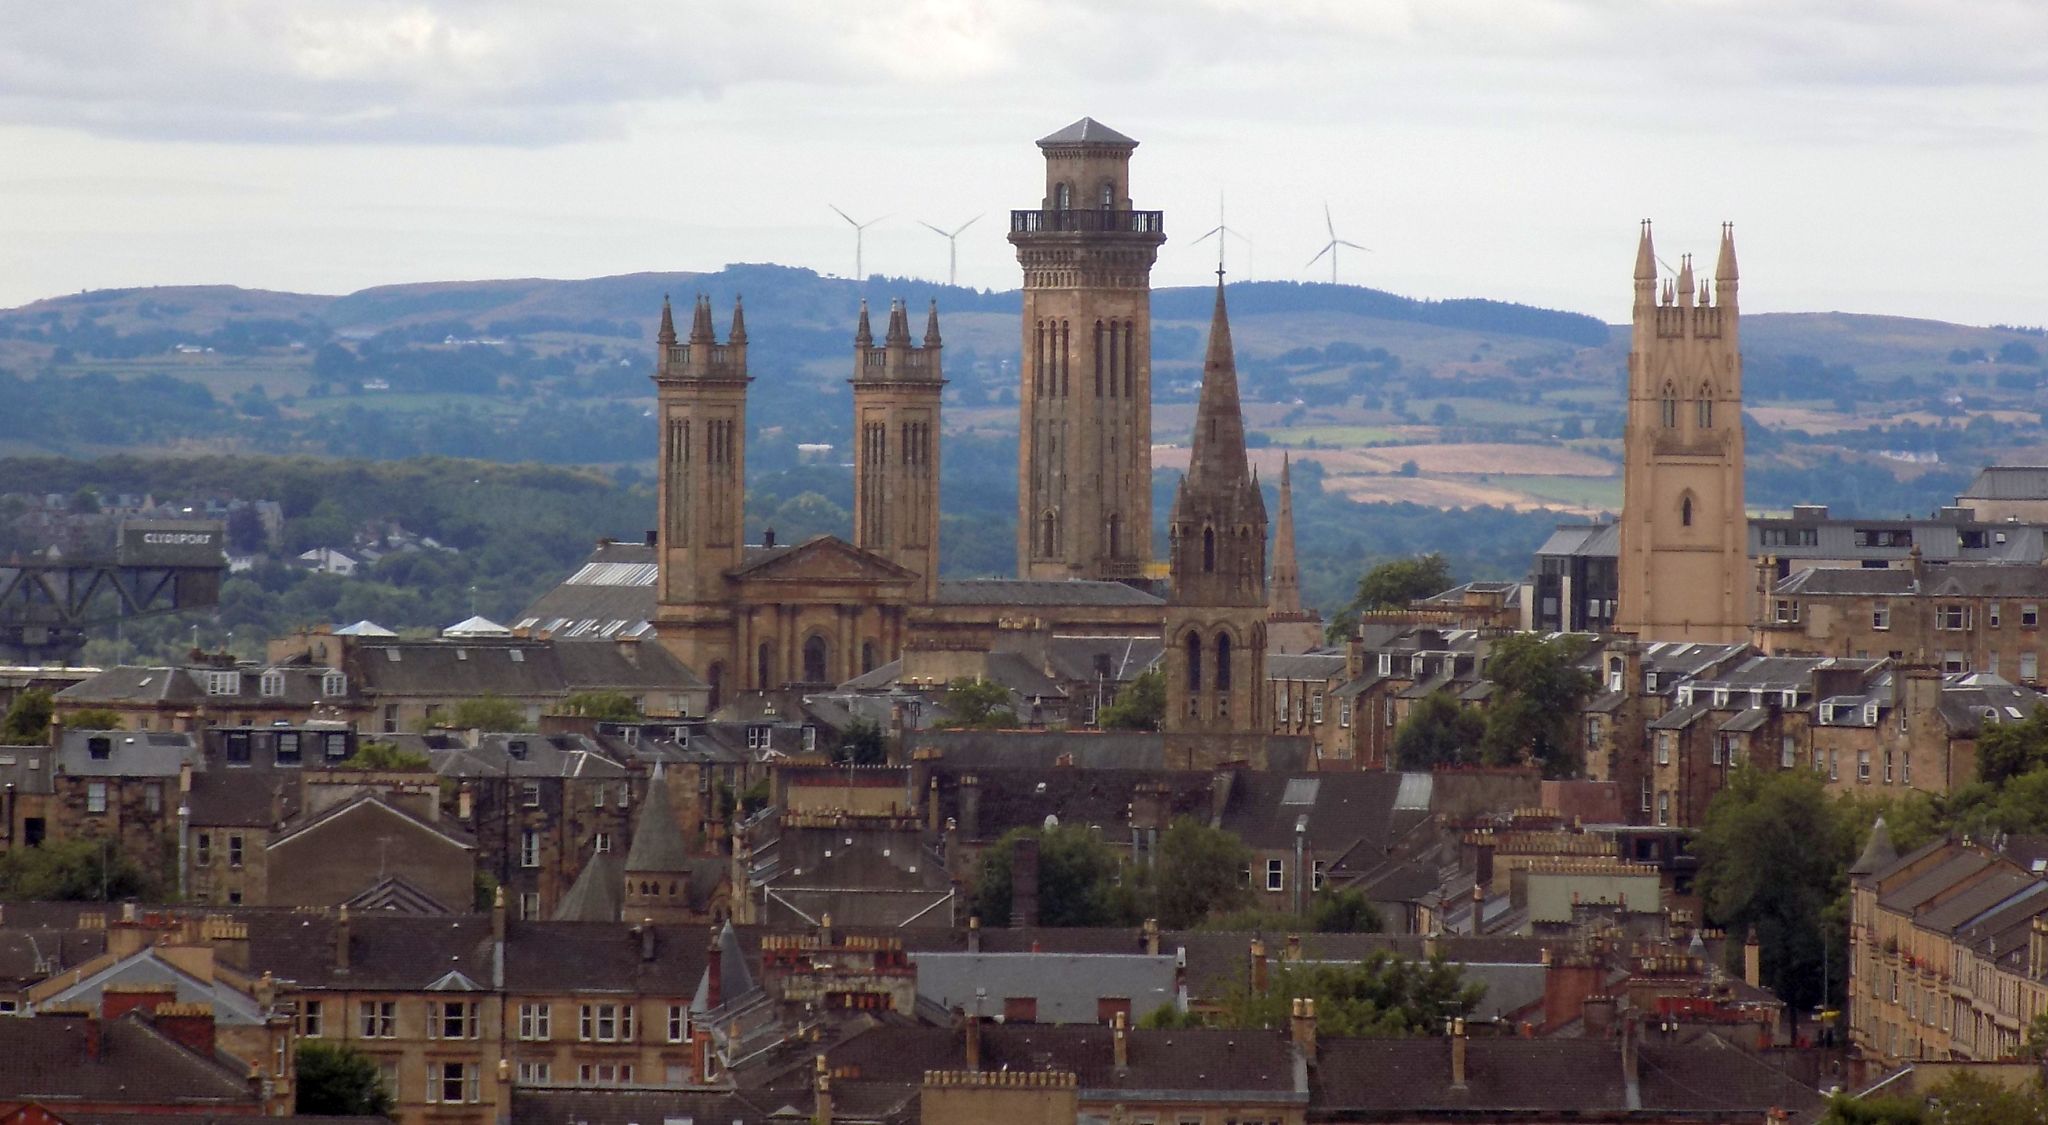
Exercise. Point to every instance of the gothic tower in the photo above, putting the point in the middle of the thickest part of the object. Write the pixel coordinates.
(896, 389)
(1215, 630)
(1683, 569)
(1084, 488)
(1293, 629)
(701, 390)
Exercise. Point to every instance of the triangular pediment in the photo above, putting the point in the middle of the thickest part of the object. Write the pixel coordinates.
(825, 558)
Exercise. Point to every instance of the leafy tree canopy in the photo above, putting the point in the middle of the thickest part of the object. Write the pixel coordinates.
(1392, 585)
(2007, 750)
(607, 706)
(94, 718)
(1439, 731)
(1962, 1099)
(1380, 996)
(486, 712)
(384, 756)
(1077, 880)
(977, 704)
(337, 1080)
(28, 718)
(863, 743)
(1538, 689)
(1200, 872)
(80, 869)
(1140, 705)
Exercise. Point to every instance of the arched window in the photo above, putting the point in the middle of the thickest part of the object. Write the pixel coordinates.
(1670, 407)
(1685, 511)
(1208, 550)
(1706, 408)
(715, 676)
(1116, 536)
(1062, 197)
(815, 671)
(1108, 195)
(1047, 537)
(1223, 662)
(764, 665)
(867, 657)
(1194, 646)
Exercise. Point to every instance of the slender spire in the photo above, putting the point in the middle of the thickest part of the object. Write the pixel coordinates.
(899, 324)
(667, 337)
(700, 324)
(931, 326)
(1646, 256)
(1724, 269)
(1685, 286)
(862, 337)
(739, 323)
(1285, 596)
(1216, 457)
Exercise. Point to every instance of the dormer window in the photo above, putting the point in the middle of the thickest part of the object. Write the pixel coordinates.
(99, 749)
(223, 683)
(271, 685)
(334, 683)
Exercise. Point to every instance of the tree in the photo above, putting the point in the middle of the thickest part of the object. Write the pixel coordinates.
(81, 869)
(1200, 872)
(28, 718)
(2006, 750)
(605, 706)
(1774, 856)
(1344, 912)
(85, 502)
(1392, 585)
(336, 1080)
(1961, 1099)
(1077, 880)
(1141, 705)
(245, 531)
(486, 712)
(384, 756)
(977, 704)
(94, 718)
(1381, 996)
(862, 744)
(1439, 731)
(1538, 689)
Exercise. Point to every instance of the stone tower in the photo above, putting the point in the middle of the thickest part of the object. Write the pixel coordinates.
(1292, 628)
(1683, 571)
(701, 389)
(1215, 629)
(1084, 489)
(896, 389)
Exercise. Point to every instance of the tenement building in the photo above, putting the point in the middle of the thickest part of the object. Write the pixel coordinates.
(1683, 568)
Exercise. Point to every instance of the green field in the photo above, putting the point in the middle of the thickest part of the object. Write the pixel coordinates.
(1331, 437)
(1582, 492)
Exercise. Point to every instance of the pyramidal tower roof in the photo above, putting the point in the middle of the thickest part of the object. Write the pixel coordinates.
(1878, 852)
(657, 838)
(1087, 131)
(1216, 458)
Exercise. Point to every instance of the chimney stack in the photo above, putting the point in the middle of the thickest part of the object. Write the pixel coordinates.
(1458, 1046)
(970, 807)
(1151, 933)
(1122, 1044)
(1302, 1024)
(974, 933)
(1024, 882)
(341, 941)
(498, 917)
(1259, 975)
(821, 1081)
(974, 1030)
(1293, 952)
(1752, 961)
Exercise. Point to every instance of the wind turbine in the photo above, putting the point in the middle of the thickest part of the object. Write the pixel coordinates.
(1223, 231)
(859, 230)
(1330, 247)
(952, 245)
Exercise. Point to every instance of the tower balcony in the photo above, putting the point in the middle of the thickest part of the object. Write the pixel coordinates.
(1082, 221)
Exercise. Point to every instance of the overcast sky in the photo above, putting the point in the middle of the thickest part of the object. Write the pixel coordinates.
(1875, 155)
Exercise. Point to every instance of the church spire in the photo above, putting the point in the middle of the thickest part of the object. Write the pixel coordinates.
(700, 324)
(739, 323)
(1216, 457)
(931, 326)
(863, 336)
(1285, 598)
(899, 324)
(667, 338)
(1646, 256)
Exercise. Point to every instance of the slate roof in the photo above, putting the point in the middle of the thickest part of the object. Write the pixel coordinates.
(604, 957)
(1066, 986)
(853, 1102)
(1087, 131)
(1958, 581)
(129, 683)
(2009, 482)
(658, 845)
(44, 1059)
(395, 952)
(371, 804)
(252, 797)
(1971, 699)
(1387, 1076)
(27, 768)
(1033, 592)
(545, 755)
(1711, 1074)
(597, 895)
(1596, 540)
(1878, 852)
(397, 895)
(1219, 960)
(230, 1008)
(1042, 749)
(1024, 797)
(1198, 1060)
(30, 953)
(624, 667)
(1305, 666)
(1074, 657)
(1343, 809)
(612, 594)
(132, 753)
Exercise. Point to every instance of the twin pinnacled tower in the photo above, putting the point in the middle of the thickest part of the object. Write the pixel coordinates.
(896, 390)
(1683, 571)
